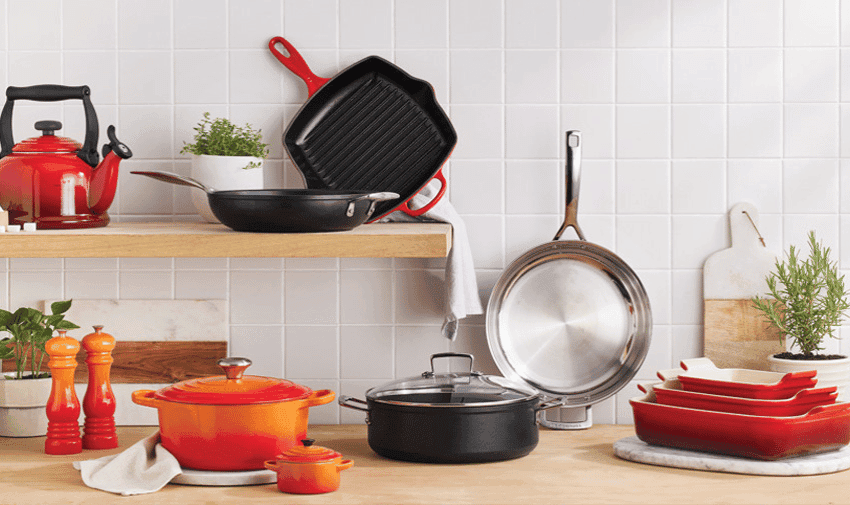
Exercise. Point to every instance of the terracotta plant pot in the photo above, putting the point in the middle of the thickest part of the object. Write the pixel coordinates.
(830, 372)
(23, 406)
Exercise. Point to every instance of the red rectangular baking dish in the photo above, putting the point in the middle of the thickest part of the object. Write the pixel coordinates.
(702, 376)
(822, 429)
(671, 393)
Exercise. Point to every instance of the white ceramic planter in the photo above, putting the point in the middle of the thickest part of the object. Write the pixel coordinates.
(223, 173)
(23, 406)
(830, 372)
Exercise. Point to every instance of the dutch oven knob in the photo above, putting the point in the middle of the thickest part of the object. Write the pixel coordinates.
(234, 367)
(308, 442)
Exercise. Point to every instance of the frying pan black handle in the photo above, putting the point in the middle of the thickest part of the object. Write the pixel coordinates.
(572, 178)
(296, 63)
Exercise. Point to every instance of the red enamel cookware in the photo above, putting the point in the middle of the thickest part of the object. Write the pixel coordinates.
(308, 469)
(232, 421)
(54, 181)
(372, 127)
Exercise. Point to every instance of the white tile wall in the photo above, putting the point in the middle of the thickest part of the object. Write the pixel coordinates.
(687, 107)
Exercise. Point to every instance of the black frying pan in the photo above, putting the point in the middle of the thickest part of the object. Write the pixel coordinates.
(371, 126)
(285, 210)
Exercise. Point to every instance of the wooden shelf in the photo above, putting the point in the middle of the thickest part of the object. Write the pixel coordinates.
(204, 240)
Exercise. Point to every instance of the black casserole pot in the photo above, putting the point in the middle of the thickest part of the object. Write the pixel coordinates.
(463, 417)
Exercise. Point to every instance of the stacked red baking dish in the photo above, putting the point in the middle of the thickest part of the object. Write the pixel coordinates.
(740, 412)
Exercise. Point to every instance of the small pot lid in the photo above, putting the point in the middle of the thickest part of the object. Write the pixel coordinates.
(233, 388)
(455, 389)
(308, 453)
(48, 142)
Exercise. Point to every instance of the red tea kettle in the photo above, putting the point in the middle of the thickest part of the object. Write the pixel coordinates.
(54, 181)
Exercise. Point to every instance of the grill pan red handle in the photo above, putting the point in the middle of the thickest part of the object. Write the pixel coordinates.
(295, 62)
(405, 207)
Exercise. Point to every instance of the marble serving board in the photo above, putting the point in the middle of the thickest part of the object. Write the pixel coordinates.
(634, 449)
(183, 323)
(145, 320)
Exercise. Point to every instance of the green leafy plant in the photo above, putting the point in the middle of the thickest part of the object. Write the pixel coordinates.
(30, 330)
(809, 298)
(220, 137)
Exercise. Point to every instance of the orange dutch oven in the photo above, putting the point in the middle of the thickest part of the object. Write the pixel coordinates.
(232, 421)
(308, 469)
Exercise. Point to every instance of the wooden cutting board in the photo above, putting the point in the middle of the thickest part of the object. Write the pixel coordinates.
(735, 332)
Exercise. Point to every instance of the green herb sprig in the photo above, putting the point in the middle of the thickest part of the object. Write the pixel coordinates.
(31, 330)
(220, 137)
(809, 298)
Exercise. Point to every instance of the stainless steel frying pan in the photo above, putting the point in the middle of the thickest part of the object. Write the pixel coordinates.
(570, 318)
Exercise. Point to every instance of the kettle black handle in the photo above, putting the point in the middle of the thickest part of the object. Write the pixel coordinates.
(51, 93)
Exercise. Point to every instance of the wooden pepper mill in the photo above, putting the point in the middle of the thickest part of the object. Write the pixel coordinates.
(63, 407)
(99, 401)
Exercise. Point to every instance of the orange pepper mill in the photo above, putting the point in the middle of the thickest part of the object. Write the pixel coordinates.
(63, 408)
(99, 401)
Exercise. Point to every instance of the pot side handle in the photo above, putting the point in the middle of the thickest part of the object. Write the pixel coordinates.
(271, 465)
(346, 401)
(405, 207)
(344, 465)
(145, 397)
(320, 397)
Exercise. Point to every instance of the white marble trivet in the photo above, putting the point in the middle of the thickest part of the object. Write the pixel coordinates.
(633, 449)
(191, 477)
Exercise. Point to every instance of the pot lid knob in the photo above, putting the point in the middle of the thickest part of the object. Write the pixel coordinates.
(234, 367)
(48, 127)
(308, 453)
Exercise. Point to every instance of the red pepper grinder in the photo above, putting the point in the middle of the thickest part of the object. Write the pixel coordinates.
(63, 408)
(99, 401)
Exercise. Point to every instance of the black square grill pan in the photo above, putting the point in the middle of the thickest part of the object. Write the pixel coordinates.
(371, 127)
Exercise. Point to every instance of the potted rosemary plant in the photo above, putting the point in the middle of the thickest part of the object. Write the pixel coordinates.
(807, 303)
(25, 391)
(225, 156)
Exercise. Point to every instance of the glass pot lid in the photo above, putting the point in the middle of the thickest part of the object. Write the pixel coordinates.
(233, 388)
(454, 389)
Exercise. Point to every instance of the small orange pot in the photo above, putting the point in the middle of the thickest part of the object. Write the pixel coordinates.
(308, 469)
(231, 422)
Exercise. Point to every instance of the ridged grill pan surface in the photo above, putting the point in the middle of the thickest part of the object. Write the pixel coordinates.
(371, 127)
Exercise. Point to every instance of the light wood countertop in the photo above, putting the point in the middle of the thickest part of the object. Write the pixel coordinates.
(158, 239)
(566, 467)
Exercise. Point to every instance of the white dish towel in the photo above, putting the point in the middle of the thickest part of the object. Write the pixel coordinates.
(144, 467)
(462, 298)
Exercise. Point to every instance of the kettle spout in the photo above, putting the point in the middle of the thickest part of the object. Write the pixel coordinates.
(104, 179)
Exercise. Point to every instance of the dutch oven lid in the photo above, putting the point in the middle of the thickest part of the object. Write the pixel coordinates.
(233, 388)
(308, 453)
(464, 389)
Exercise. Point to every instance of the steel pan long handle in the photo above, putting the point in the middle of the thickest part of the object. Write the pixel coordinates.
(572, 178)
(174, 179)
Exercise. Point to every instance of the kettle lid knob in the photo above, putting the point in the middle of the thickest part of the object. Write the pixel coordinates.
(48, 127)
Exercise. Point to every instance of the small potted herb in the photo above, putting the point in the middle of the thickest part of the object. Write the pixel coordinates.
(808, 300)
(225, 156)
(24, 392)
